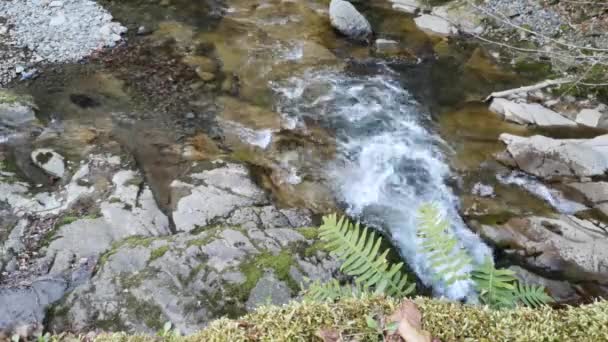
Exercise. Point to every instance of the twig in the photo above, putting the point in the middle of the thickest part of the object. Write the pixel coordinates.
(527, 89)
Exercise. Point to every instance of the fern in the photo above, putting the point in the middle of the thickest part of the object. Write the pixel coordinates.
(359, 249)
(531, 295)
(499, 288)
(445, 256)
(495, 287)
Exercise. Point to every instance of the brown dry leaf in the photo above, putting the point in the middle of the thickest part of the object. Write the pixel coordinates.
(329, 335)
(410, 323)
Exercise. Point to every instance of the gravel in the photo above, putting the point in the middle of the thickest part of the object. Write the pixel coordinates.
(582, 23)
(39, 31)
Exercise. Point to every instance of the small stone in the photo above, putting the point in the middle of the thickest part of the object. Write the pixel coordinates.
(50, 161)
(387, 46)
(435, 24)
(204, 75)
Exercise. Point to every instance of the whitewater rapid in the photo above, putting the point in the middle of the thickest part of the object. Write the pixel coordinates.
(388, 163)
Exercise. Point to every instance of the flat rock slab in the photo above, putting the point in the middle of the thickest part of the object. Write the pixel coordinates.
(574, 248)
(529, 113)
(435, 24)
(547, 157)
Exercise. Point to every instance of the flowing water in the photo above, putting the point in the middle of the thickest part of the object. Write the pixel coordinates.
(389, 162)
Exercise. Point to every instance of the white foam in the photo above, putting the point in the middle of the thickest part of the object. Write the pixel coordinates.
(388, 163)
(554, 197)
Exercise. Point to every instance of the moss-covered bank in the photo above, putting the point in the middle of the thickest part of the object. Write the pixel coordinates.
(445, 320)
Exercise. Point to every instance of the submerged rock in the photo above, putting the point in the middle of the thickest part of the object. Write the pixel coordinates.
(346, 19)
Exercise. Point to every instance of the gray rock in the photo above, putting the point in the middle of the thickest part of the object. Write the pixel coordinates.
(546, 157)
(528, 113)
(50, 161)
(435, 24)
(575, 249)
(589, 117)
(594, 192)
(221, 192)
(560, 291)
(15, 110)
(268, 291)
(189, 279)
(346, 19)
(285, 236)
(27, 305)
(386, 46)
(407, 6)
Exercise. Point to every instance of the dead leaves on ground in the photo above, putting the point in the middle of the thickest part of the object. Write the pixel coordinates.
(405, 324)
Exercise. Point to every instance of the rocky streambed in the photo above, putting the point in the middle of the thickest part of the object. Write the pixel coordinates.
(177, 176)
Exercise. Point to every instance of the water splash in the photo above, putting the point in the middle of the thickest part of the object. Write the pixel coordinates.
(388, 163)
(555, 198)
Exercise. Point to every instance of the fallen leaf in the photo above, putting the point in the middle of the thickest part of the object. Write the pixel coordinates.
(329, 335)
(409, 321)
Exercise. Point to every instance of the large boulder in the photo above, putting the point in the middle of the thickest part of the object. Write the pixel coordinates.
(346, 19)
(566, 246)
(547, 158)
(246, 260)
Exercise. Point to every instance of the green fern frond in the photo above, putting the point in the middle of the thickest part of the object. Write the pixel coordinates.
(495, 286)
(531, 295)
(360, 251)
(445, 256)
(332, 291)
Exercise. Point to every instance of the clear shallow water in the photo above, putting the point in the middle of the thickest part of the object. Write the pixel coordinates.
(388, 162)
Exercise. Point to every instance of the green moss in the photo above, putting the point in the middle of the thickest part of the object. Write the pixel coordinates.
(9, 97)
(252, 273)
(314, 248)
(135, 241)
(66, 220)
(310, 233)
(159, 252)
(147, 311)
(495, 219)
(446, 321)
(533, 69)
(133, 280)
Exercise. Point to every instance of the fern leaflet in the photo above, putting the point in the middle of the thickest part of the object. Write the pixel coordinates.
(360, 251)
(531, 295)
(496, 287)
(445, 256)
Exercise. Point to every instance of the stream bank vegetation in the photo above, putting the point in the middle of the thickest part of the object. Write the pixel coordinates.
(577, 51)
